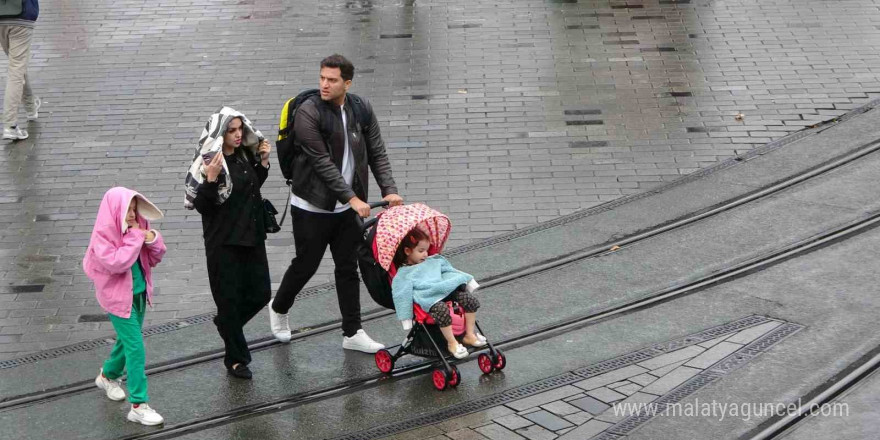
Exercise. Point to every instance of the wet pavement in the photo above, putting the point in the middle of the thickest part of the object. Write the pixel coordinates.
(827, 331)
(501, 115)
(521, 121)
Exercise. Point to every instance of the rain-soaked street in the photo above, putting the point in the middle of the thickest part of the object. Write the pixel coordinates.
(666, 202)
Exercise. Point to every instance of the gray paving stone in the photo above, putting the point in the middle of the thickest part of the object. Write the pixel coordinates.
(587, 430)
(713, 355)
(671, 380)
(543, 398)
(750, 334)
(475, 419)
(672, 357)
(590, 405)
(611, 377)
(606, 395)
(560, 408)
(498, 432)
(548, 420)
(643, 379)
(465, 434)
(629, 390)
(660, 372)
(513, 422)
(536, 432)
(578, 418)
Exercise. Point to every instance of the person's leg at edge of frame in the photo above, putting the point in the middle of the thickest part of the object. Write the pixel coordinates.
(16, 42)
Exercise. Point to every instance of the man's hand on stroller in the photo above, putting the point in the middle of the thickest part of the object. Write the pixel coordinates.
(360, 207)
(393, 199)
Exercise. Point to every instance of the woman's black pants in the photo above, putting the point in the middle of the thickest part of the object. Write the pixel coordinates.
(241, 287)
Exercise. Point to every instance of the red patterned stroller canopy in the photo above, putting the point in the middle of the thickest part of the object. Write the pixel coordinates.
(394, 223)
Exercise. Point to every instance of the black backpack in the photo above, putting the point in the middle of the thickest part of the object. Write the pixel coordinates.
(285, 143)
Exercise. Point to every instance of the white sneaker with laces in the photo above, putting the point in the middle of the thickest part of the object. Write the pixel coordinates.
(361, 342)
(111, 387)
(32, 116)
(144, 415)
(15, 133)
(279, 324)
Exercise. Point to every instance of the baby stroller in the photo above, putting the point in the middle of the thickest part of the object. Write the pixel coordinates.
(382, 236)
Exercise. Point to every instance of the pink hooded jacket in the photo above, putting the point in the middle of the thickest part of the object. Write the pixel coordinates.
(114, 249)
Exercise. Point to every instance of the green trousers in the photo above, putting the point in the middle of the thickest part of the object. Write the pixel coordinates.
(128, 352)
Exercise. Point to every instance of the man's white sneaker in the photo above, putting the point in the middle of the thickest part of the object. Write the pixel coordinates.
(111, 387)
(145, 415)
(15, 133)
(361, 342)
(279, 324)
(32, 116)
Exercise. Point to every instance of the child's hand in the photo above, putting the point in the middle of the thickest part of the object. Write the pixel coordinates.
(149, 236)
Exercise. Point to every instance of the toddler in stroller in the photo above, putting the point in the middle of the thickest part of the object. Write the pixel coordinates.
(401, 248)
(430, 282)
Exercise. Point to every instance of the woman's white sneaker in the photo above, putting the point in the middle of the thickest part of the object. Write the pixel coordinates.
(144, 415)
(111, 387)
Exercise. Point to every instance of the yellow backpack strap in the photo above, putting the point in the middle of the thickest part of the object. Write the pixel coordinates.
(283, 128)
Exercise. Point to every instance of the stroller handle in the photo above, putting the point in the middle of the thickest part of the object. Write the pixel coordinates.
(368, 223)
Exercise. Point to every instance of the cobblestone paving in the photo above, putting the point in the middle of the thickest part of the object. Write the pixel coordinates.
(501, 114)
(615, 402)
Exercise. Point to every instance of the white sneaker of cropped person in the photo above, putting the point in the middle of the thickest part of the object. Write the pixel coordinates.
(279, 324)
(15, 133)
(144, 415)
(361, 342)
(111, 387)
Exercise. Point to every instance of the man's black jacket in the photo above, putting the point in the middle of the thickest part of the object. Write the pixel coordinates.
(317, 161)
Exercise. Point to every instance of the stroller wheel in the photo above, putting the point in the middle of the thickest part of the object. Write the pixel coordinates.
(452, 377)
(439, 379)
(485, 363)
(499, 361)
(384, 361)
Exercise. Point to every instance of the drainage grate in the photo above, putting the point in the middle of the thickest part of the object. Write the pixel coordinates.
(778, 334)
(49, 354)
(97, 343)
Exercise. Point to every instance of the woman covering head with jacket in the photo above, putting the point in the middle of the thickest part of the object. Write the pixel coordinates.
(223, 185)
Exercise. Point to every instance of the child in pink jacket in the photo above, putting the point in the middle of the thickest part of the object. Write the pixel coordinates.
(119, 260)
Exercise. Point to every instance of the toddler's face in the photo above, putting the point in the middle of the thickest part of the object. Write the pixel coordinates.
(417, 254)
